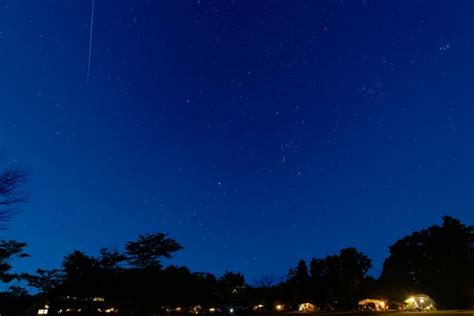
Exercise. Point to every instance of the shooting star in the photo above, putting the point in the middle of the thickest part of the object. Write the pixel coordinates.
(90, 42)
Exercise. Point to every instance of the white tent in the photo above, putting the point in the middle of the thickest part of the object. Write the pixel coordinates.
(419, 302)
(307, 308)
(370, 304)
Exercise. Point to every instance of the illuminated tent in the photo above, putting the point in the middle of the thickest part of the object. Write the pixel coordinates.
(196, 310)
(307, 308)
(280, 307)
(419, 302)
(258, 308)
(370, 304)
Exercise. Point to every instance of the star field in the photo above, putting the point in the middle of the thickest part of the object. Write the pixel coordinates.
(253, 132)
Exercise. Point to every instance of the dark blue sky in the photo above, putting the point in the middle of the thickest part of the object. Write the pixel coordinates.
(254, 132)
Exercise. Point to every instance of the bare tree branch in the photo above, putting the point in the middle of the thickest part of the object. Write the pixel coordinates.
(12, 180)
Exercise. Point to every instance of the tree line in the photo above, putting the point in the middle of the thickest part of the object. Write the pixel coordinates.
(437, 260)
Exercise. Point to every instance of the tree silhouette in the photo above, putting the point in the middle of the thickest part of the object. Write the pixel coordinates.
(231, 287)
(298, 282)
(110, 259)
(438, 260)
(149, 249)
(12, 179)
(338, 278)
(267, 281)
(81, 274)
(353, 268)
(10, 249)
(47, 281)
(232, 280)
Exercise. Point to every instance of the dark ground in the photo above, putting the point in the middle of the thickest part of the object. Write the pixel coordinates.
(392, 313)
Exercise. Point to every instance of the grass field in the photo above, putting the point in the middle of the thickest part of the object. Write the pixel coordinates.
(452, 312)
(443, 312)
(394, 313)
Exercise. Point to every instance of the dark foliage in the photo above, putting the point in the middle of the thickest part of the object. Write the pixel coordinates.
(438, 260)
(10, 250)
(334, 279)
(149, 249)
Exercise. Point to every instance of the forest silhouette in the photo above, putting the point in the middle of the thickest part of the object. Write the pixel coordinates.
(437, 260)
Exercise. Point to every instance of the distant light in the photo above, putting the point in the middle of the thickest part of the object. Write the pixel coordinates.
(258, 307)
(231, 310)
(212, 309)
(111, 310)
(279, 307)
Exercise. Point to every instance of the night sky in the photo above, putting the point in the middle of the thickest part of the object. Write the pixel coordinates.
(254, 132)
